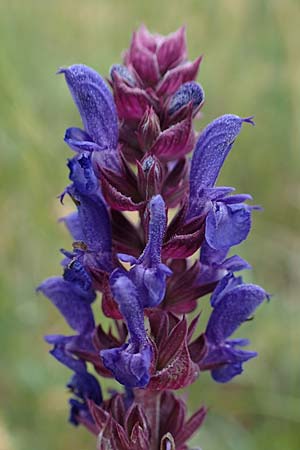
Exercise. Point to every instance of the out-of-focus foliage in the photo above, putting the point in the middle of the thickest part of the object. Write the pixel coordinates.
(251, 66)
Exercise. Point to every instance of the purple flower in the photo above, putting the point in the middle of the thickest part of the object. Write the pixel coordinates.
(228, 218)
(73, 300)
(91, 224)
(98, 113)
(211, 150)
(228, 223)
(83, 386)
(233, 305)
(215, 264)
(82, 174)
(148, 272)
(143, 286)
(63, 351)
(96, 107)
(129, 363)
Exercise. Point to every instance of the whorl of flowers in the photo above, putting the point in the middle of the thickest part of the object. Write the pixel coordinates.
(138, 151)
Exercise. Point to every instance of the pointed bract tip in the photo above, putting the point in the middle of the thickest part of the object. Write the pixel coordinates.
(182, 30)
(249, 120)
(268, 296)
(61, 70)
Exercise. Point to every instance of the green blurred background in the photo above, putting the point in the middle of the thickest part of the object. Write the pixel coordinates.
(251, 66)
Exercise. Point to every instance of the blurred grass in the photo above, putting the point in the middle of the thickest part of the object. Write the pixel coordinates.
(251, 66)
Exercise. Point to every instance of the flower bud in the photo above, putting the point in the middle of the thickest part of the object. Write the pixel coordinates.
(190, 92)
(149, 176)
(149, 129)
(118, 70)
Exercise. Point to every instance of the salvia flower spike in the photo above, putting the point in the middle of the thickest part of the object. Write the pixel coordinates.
(131, 155)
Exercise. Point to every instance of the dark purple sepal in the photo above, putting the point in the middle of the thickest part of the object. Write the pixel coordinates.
(103, 340)
(190, 427)
(171, 50)
(110, 307)
(143, 60)
(183, 239)
(148, 129)
(174, 426)
(173, 367)
(198, 348)
(118, 428)
(116, 198)
(175, 141)
(129, 145)
(182, 245)
(184, 288)
(149, 176)
(121, 190)
(177, 76)
(131, 102)
(146, 40)
(132, 428)
(119, 201)
(99, 275)
(127, 238)
(137, 428)
(95, 104)
(175, 183)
